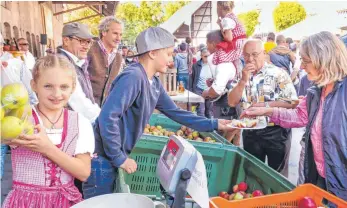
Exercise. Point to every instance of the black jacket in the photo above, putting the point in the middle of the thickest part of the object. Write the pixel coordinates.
(194, 76)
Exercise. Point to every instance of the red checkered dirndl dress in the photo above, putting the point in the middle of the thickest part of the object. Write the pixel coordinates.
(37, 181)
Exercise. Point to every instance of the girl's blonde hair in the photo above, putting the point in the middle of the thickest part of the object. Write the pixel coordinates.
(328, 55)
(226, 5)
(54, 61)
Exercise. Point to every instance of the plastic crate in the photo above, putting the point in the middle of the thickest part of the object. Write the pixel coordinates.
(167, 123)
(282, 200)
(225, 167)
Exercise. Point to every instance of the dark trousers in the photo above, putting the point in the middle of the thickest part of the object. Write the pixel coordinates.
(204, 109)
(270, 142)
(102, 179)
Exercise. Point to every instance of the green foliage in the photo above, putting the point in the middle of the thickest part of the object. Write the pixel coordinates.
(287, 14)
(147, 14)
(136, 18)
(249, 21)
(81, 13)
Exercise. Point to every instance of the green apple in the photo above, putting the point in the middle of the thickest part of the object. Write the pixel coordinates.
(14, 95)
(238, 196)
(11, 127)
(21, 112)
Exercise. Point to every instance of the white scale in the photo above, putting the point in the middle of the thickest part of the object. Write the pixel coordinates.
(175, 166)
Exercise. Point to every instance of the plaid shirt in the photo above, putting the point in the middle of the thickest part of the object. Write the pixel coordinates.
(269, 84)
(231, 51)
(110, 56)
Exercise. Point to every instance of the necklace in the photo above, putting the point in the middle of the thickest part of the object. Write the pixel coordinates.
(53, 123)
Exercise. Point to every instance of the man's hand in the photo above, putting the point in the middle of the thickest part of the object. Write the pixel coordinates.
(209, 82)
(246, 72)
(129, 166)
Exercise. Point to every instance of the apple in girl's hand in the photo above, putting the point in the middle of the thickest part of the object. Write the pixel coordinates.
(257, 193)
(238, 196)
(242, 186)
(235, 188)
(14, 95)
(11, 127)
(307, 202)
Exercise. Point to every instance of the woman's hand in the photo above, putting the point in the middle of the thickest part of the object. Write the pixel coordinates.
(38, 142)
(256, 111)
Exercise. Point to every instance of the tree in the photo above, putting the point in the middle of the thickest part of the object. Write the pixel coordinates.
(249, 21)
(147, 14)
(287, 14)
(81, 13)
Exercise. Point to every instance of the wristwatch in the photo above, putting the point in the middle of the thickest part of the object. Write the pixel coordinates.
(267, 105)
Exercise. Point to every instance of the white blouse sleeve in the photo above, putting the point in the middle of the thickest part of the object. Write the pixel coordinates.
(85, 141)
(228, 24)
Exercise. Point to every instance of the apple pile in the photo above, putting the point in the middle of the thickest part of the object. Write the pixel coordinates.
(239, 192)
(185, 132)
(15, 111)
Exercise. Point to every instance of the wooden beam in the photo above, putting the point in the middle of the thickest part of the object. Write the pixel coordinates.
(95, 10)
(70, 10)
(81, 19)
(80, 2)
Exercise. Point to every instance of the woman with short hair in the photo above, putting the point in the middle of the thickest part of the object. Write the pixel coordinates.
(323, 111)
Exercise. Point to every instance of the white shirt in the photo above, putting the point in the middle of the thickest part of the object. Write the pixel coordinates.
(29, 60)
(78, 100)
(221, 73)
(228, 23)
(85, 141)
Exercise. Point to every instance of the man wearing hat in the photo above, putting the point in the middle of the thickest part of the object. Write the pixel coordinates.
(77, 40)
(134, 94)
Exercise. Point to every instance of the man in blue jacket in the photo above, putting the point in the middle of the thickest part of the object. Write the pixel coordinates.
(135, 93)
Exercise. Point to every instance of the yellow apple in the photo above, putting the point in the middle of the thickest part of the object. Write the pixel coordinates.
(21, 112)
(11, 127)
(14, 95)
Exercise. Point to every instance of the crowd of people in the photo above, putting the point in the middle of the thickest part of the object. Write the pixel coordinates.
(91, 103)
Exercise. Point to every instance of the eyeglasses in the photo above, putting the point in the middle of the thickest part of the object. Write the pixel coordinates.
(254, 55)
(304, 62)
(24, 44)
(83, 42)
(205, 56)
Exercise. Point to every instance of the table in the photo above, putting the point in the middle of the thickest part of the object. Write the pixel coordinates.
(193, 98)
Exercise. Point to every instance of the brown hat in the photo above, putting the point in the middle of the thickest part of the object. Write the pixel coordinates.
(77, 29)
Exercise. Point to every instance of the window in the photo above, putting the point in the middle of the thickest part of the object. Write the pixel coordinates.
(15, 32)
(33, 41)
(7, 31)
(29, 40)
(38, 46)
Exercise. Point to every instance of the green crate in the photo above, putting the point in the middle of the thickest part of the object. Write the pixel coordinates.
(225, 167)
(167, 123)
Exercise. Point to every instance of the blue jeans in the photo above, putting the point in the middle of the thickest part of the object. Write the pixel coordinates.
(102, 178)
(204, 109)
(184, 77)
(4, 149)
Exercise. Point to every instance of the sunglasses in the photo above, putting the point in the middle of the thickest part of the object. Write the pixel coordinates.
(24, 44)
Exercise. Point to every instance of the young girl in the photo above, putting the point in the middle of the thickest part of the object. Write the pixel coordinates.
(234, 34)
(46, 163)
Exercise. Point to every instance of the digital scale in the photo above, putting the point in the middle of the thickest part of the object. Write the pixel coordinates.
(174, 170)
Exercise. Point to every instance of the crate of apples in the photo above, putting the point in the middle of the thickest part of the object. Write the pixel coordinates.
(185, 132)
(240, 192)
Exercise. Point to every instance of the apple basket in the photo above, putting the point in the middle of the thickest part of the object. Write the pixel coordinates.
(282, 200)
(15, 111)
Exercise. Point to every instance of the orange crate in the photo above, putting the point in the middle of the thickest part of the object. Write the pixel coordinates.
(281, 200)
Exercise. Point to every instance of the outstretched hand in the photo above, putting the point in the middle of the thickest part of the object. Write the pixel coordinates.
(256, 111)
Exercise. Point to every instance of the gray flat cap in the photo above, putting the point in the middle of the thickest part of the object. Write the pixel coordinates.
(77, 29)
(153, 38)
